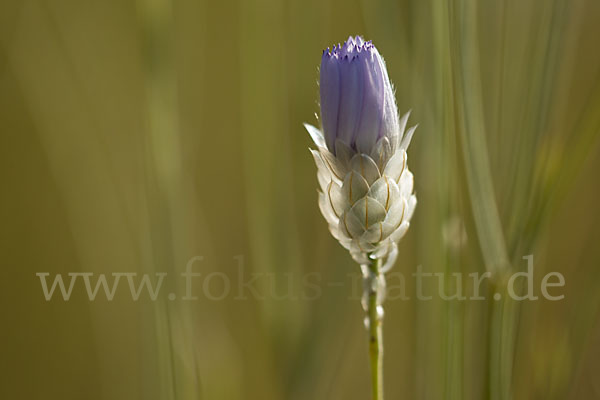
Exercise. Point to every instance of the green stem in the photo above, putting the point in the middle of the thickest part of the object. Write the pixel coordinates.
(374, 287)
(502, 345)
(495, 349)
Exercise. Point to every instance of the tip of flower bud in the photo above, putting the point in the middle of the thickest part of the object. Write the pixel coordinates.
(349, 49)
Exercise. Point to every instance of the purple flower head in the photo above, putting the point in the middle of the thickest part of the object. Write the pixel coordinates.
(357, 99)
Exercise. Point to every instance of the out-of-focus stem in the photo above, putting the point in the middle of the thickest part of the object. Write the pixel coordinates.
(495, 349)
(374, 292)
(503, 324)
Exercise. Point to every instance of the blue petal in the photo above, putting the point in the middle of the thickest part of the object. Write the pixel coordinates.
(368, 130)
(390, 126)
(329, 88)
(351, 94)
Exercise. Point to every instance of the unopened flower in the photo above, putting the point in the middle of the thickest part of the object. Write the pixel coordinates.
(366, 191)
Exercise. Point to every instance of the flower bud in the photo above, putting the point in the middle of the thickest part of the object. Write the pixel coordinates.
(366, 187)
(357, 99)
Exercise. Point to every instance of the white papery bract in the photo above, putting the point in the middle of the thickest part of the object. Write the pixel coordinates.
(366, 197)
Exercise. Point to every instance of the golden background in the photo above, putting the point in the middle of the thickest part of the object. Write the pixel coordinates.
(136, 135)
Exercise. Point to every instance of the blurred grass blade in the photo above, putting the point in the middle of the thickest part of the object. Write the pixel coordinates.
(472, 134)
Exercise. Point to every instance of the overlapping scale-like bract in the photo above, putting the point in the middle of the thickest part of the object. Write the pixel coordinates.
(366, 197)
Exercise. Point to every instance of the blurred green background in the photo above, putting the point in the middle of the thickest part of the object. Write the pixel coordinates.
(136, 135)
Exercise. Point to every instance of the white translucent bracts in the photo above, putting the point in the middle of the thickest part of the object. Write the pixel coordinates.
(366, 198)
